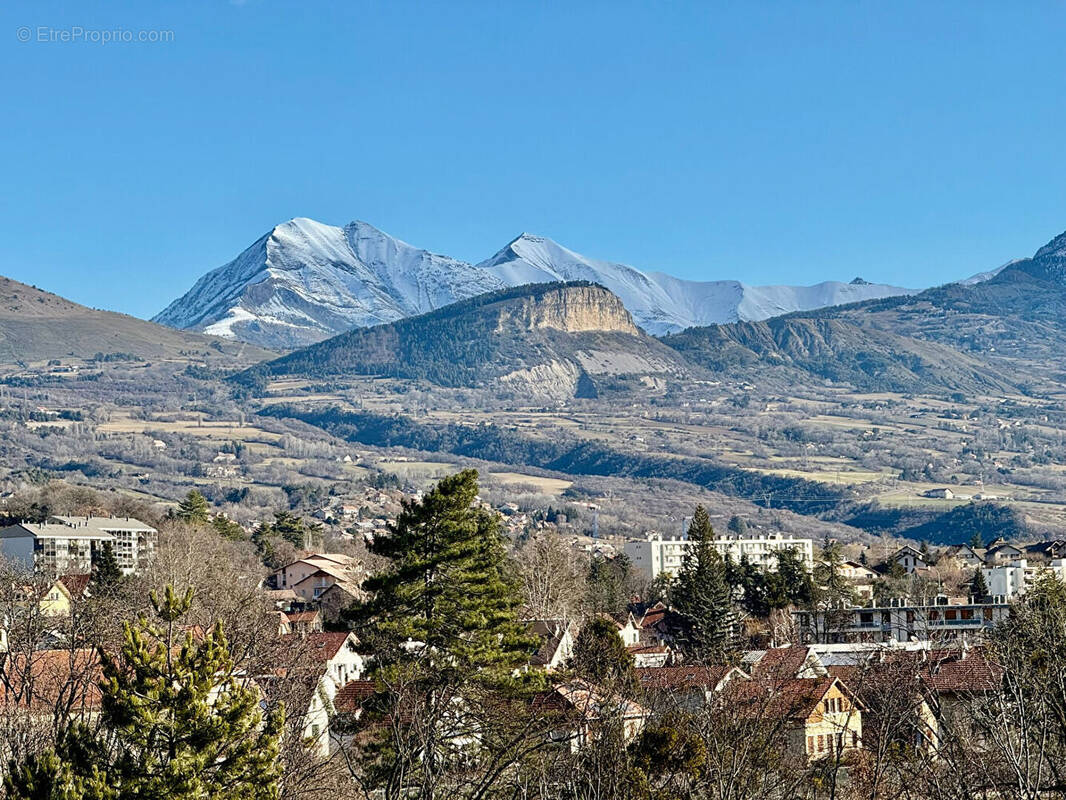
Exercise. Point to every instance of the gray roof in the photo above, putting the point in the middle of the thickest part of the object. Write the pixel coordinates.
(51, 530)
(103, 523)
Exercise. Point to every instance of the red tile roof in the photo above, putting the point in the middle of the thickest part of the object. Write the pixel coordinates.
(780, 663)
(352, 695)
(76, 584)
(794, 699)
(683, 677)
(70, 677)
(955, 672)
(322, 646)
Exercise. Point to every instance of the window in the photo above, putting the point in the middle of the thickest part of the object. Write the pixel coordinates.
(821, 743)
(810, 744)
(854, 739)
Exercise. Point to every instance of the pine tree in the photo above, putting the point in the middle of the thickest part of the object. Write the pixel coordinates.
(228, 529)
(978, 586)
(106, 573)
(700, 526)
(194, 509)
(702, 596)
(447, 585)
(174, 724)
(600, 656)
(833, 593)
(977, 541)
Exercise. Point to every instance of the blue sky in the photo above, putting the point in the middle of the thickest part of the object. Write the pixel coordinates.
(910, 143)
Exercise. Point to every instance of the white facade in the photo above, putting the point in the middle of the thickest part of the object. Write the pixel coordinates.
(1009, 581)
(68, 544)
(656, 554)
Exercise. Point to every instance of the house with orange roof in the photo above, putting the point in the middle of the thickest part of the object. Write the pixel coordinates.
(822, 715)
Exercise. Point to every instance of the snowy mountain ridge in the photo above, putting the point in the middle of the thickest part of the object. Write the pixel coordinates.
(305, 281)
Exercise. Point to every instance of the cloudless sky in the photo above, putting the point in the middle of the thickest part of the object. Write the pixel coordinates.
(908, 142)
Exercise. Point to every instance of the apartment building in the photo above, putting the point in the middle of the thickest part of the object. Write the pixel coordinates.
(1007, 582)
(656, 554)
(902, 623)
(63, 544)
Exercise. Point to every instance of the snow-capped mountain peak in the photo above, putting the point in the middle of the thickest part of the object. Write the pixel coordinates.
(305, 281)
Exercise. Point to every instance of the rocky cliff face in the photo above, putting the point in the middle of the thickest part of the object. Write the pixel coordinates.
(571, 309)
(543, 340)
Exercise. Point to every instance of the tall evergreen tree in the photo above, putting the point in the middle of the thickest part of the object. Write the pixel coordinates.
(175, 723)
(795, 578)
(978, 586)
(194, 509)
(106, 573)
(703, 597)
(700, 525)
(834, 595)
(442, 624)
(447, 585)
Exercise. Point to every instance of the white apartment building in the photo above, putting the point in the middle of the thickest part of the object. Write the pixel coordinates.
(67, 544)
(1008, 582)
(656, 554)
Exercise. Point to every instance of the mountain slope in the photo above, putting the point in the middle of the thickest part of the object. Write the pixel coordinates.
(661, 303)
(1007, 331)
(553, 340)
(38, 326)
(304, 282)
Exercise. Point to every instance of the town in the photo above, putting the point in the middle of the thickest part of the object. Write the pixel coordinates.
(808, 643)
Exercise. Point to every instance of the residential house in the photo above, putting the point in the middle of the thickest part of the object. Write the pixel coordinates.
(688, 686)
(909, 558)
(651, 655)
(304, 621)
(557, 638)
(311, 576)
(955, 678)
(967, 556)
(627, 627)
(577, 708)
(861, 578)
(338, 597)
(1000, 552)
(292, 573)
(784, 663)
(322, 663)
(1046, 551)
(46, 688)
(824, 717)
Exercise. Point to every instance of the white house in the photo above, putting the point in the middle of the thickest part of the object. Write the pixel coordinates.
(1007, 582)
(333, 662)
